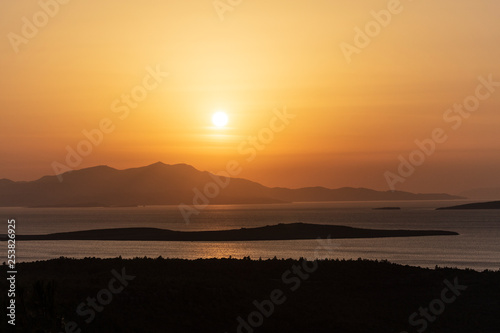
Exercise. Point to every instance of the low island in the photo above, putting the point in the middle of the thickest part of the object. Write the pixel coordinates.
(478, 205)
(291, 231)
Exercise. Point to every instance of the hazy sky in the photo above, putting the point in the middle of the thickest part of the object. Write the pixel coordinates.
(353, 119)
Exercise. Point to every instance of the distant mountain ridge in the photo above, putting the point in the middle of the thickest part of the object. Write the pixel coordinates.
(163, 184)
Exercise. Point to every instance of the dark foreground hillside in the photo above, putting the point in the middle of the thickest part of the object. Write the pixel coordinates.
(258, 296)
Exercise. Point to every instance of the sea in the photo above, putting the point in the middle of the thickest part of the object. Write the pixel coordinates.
(477, 247)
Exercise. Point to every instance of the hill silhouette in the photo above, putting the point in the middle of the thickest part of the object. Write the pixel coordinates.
(162, 184)
(208, 295)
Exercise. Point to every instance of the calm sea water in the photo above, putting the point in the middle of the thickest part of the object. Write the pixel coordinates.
(476, 247)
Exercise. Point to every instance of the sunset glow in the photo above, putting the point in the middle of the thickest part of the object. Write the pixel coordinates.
(188, 166)
(220, 119)
(159, 82)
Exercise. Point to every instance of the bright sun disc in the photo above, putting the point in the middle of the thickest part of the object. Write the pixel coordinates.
(220, 119)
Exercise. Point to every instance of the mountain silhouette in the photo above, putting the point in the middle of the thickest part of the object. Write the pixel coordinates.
(162, 184)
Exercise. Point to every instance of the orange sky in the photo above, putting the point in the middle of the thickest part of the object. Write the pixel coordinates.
(352, 120)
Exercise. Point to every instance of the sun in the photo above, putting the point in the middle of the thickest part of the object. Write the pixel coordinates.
(220, 119)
